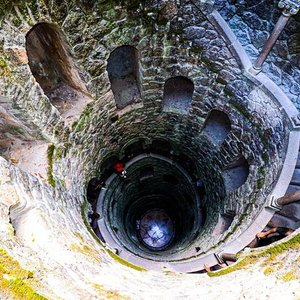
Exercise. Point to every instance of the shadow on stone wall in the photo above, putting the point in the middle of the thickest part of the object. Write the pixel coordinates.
(124, 74)
(236, 173)
(52, 66)
(217, 126)
(178, 93)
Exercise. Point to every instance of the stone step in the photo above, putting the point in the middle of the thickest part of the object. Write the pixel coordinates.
(223, 224)
(292, 188)
(289, 215)
(291, 211)
(296, 177)
(298, 161)
(282, 221)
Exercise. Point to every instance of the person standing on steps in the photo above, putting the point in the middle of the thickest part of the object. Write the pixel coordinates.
(270, 236)
(119, 168)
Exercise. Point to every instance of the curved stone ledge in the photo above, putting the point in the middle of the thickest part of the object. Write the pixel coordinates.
(260, 79)
(270, 88)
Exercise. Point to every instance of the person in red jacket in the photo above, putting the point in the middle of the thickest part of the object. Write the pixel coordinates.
(119, 168)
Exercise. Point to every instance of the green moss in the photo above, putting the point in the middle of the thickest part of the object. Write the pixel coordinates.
(240, 108)
(10, 230)
(114, 256)
(84, 120)
(242, 264)
(7, 5)
(109, 294)
(15, 130)
(4, 68)
(291, 275)
(80, 124)
(50, 152)
(74, 124)
(86, 223)
(87, 251)
(269, 270)
(273, 252)
(260, 182)
(15, 281)
(59, 153)
(107, 5)
(32, 5)
(221, 80)
(124, 262)
(206, 61)
(269, 254)
(19, 289)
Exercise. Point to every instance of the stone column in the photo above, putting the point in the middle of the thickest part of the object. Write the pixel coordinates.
(224, 257)
(229, 257)
(290, 7)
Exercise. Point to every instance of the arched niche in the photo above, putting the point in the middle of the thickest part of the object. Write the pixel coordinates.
(123, 69)
(178, 94)
(160, 146)
(133, 149)
(52, 66)
(236, 173)
(217, 126)
(224, 222)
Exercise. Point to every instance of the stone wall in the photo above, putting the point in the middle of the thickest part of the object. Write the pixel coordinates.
(173, 39)
(252, 22)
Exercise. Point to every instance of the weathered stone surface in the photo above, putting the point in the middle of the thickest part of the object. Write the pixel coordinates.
(57, 245)
(252, 23)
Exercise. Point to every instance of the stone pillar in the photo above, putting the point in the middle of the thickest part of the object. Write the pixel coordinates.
(290, 7)
(224, 257)
(229, 257)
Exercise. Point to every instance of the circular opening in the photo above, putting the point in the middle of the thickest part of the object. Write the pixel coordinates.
(148, 215)
(156, 229)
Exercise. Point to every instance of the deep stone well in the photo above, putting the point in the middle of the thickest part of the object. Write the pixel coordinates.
(168, 89)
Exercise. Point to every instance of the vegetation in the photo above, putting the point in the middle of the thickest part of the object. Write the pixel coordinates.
(86, 250)
(50, 152)
(268, 254)
(61, 151)
(221, 80)
(108, 294)
(124, 262)
(291, 275)
(14, 281)
(238, 107)
(269, 270)
(272, 252)
(4, 68)
(113, 255)
(241, 264)
(15, 130)
(84, 120)
(7, 5)
(25, 7)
